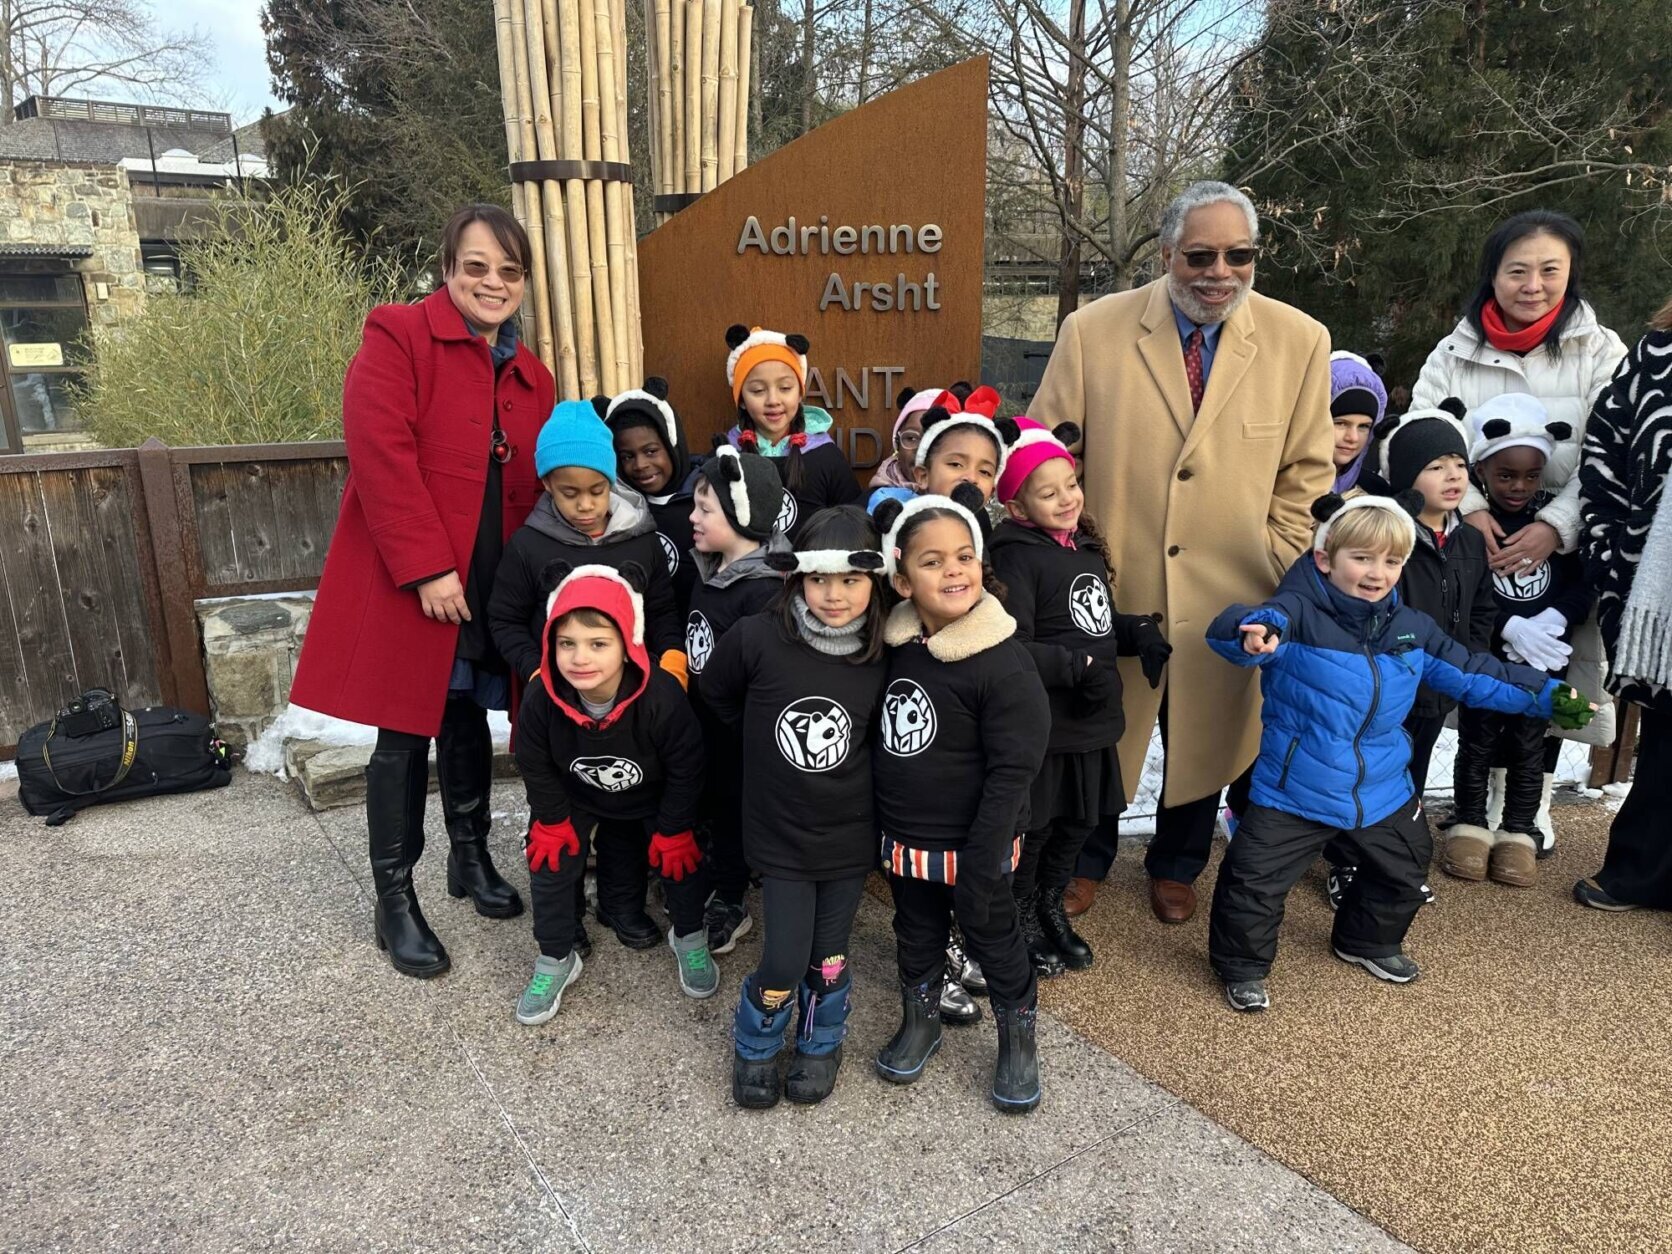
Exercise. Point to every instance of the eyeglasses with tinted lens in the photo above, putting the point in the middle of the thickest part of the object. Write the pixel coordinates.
(509, 275)
(1202, 258)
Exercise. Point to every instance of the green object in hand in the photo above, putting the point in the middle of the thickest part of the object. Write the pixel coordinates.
(1569, 710)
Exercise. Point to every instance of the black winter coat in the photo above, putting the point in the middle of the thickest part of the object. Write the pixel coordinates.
(1624, 467)
(517, 609)
(1064, 613)
(805, 719)
(1453, 586)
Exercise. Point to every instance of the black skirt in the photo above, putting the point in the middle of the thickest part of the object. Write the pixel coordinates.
(1081, 788)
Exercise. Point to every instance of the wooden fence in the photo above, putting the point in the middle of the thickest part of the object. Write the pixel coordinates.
(102, 555)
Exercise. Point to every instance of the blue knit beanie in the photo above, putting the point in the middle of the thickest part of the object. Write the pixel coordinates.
(575, 436)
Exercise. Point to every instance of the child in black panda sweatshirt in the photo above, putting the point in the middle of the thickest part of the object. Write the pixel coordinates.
(803, 683)
(964, 725)
(652, 457)
(737, 499)
(611, 755)
(1053, 562)
(583, 517)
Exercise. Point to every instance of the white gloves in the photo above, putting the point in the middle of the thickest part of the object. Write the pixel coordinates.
(1537, 641)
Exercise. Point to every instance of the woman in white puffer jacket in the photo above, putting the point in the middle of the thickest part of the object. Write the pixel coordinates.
(1528, 329)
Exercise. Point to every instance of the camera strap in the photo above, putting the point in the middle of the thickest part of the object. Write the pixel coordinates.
(130, 751)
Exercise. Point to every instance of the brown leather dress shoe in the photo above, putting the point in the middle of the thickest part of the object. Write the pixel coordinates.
(1172, 901)
(1078, 896)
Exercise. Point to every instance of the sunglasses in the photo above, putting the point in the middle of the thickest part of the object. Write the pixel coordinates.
(1202, 258)
(507, 274)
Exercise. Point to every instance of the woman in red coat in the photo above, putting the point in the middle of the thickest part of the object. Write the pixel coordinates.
(441, 410)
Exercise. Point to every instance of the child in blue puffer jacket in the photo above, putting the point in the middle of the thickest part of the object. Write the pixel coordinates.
(1343, 658)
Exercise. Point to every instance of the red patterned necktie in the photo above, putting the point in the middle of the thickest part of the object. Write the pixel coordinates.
(1193, 367)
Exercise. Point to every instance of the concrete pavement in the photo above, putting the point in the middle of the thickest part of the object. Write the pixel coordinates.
(202, 1050)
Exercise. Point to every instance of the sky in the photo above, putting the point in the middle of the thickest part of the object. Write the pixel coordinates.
(238, 81)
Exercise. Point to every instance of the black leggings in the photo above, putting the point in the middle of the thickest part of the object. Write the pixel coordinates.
(623, 875)
(460, 715)
(1048, 856)
(808, 926)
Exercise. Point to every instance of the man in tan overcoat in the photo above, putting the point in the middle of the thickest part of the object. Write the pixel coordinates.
(1205, 408)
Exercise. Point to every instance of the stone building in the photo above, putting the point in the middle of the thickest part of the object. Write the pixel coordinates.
(94, 200)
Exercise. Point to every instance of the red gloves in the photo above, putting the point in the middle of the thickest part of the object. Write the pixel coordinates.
(548, 842)
(674, 856)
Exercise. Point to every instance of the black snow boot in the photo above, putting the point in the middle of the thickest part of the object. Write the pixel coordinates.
(1041, 953)
(464, 769)
(1016, 1074)
(396, 781)
(902, 1060)
(1058, 933)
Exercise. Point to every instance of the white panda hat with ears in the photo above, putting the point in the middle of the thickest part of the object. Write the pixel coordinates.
(652, 398)
(1330, 509)
(1513, 420)
(917, 505)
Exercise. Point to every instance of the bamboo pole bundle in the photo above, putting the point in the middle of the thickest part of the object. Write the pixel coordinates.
(699, 88)
(563, 84)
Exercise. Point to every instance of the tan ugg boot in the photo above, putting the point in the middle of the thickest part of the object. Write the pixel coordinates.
(1467, 852)
(1515, 860)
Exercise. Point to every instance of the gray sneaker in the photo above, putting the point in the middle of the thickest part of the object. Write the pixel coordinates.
(1396, 969)
(698, 976)
(1247, 995)
(540, 1000)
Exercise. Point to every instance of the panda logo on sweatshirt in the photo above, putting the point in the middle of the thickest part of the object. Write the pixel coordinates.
(1088, 604)
(699, 642)
(814, 734)
(788, 512)
(1531, 586)
(908, 719)
(607, 774)
(670, 552)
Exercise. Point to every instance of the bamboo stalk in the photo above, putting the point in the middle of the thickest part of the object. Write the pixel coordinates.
(693, 95)
(597, 228)
(726, 121)
(579, 254)
(508, 95)
(710, 92)
(662, 12)
(745, 49)
(676, 77)
(611, 148)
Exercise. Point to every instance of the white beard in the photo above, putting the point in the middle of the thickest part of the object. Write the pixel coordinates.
(1187, 303)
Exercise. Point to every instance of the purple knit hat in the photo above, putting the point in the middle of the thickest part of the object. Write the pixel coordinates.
(1354, 388)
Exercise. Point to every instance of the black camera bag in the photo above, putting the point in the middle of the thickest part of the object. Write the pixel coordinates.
(147, 752)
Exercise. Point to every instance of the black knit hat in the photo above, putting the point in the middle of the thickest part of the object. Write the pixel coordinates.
(750, 492)
(1411, 441)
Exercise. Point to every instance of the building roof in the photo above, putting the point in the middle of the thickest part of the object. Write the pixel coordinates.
(251, 143)
(101, 133)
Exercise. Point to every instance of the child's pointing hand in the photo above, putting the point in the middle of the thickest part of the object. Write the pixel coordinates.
(1258, 638)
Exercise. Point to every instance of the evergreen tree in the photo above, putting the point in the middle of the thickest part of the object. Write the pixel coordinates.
(1384, 140)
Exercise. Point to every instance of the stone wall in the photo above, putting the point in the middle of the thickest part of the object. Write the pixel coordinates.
(53, 203)
(250, 646)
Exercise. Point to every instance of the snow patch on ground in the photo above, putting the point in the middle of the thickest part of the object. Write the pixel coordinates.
(304, 593)
(8, 772)
(1616, 795)
(266, 754)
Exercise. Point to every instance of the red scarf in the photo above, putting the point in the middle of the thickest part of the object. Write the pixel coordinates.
(1525, 340)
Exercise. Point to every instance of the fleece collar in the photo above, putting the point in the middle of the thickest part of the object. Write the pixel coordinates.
(982, 628)
(749, 566)
(629, 517)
